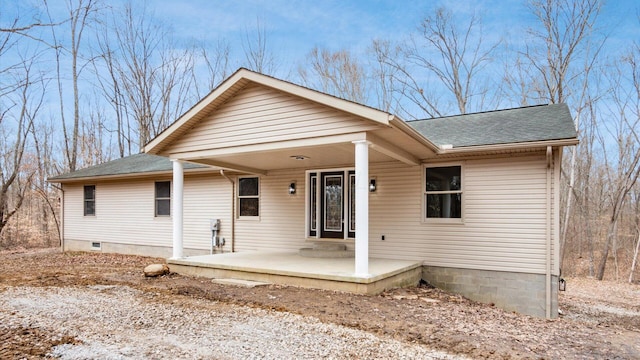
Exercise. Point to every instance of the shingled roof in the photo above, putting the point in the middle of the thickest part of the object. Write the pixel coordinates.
(130, 165)
(519, 125)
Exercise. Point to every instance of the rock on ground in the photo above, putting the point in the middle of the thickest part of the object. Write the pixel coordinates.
(154, 270)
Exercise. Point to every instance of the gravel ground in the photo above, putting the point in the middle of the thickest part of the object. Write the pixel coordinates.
(93, 305)
(119, 322)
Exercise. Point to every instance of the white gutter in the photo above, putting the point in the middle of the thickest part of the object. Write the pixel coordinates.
(233, 210)
(448, 149)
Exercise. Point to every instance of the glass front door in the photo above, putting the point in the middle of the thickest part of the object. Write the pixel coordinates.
(332, 204)
(332, 209)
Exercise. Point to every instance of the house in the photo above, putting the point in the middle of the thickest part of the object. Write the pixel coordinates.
(473, 200)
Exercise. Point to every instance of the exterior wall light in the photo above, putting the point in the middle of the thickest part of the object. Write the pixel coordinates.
(292, 188)
(372, 185)
(562, 284)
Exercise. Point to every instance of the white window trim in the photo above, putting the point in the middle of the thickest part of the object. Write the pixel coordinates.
(156, 198)
(84, 201)
(238, 197)
(443, 221)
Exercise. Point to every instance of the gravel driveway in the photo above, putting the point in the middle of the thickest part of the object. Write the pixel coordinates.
(118, 322)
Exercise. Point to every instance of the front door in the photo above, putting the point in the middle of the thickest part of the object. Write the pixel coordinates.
(332, 205)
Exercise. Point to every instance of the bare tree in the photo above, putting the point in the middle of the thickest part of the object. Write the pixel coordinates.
(634, 259)
(624, 170)
(22, 106)
(337, 73)
(564, 35)
(151, 74)
(43, 143)
(258, 56)
(216, 66)
(10, 36)
(448, 52)
(147, 78)
(22, 90)
(80, 13)
(566, 29)
(383, 74)
(107, 78)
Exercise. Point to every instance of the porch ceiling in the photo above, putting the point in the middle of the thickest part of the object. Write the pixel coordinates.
(318, 157)
(386, 145)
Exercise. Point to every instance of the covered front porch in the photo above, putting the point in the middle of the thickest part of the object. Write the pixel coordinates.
(289, 268)
(255, 128)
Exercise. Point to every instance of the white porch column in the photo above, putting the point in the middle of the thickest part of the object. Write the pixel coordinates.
(362, 207)
(178, 190)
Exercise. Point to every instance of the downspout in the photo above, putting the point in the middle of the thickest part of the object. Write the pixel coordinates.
(61, 218)
(61, 223)
(548, 233)
(233, 210)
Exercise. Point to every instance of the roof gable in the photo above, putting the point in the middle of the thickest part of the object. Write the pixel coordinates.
(519, 125)
(258, 114)
(236, 83)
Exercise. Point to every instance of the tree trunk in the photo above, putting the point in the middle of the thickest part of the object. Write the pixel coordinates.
(567, 210)
(613, 225)
(635, 258)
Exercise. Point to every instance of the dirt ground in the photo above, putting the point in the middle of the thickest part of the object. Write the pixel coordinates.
(600, 320)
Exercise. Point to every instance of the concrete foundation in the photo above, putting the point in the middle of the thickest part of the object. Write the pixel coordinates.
(519, 292)
(127, 249)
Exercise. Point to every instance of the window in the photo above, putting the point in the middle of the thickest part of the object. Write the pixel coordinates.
(443, 192)
(313, 204)
(89, 200)
(248, 196)
(163, 198)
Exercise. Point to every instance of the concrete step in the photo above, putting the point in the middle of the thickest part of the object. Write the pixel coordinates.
(329, 246)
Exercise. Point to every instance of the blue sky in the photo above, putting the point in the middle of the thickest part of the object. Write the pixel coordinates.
(294, 27)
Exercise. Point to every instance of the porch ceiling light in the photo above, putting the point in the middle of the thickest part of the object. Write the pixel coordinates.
(299, 157)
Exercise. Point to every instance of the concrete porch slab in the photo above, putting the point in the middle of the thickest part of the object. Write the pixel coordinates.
(289, 268)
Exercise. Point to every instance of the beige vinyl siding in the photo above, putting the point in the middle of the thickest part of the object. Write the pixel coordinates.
(504, 216)
(206, 197)
(259, 114)
(125, 212)
(503, 229)
(281, 224)
(504, 209)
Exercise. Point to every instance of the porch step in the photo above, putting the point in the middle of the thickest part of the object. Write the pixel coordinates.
(329, 246)
(327, 250)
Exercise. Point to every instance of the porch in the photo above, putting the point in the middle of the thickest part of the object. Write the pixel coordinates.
(289, 268)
